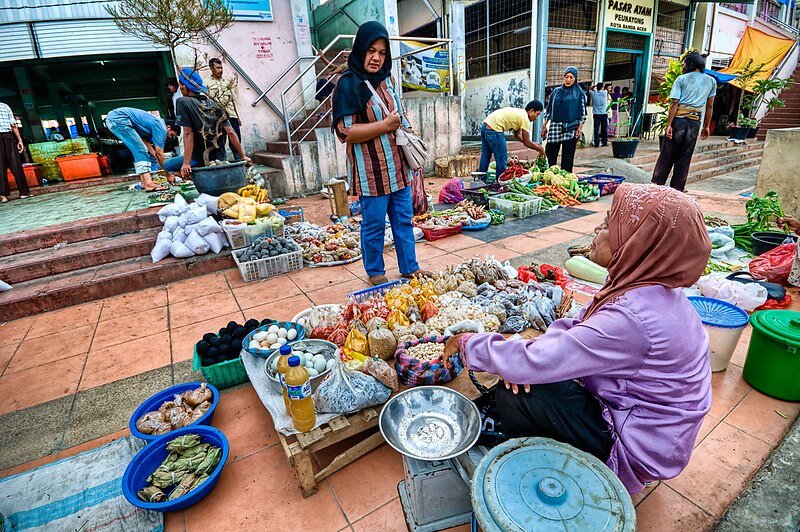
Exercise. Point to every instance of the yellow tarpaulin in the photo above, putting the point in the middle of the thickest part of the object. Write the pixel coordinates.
(761, 48)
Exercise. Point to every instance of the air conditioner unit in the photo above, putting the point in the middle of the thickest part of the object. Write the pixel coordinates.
(720, 63)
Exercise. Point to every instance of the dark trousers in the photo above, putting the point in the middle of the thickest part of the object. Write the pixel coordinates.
(676, 153)
(563, 411)
(9, 159)
(600, 130)
(567, 155)
(237, 128)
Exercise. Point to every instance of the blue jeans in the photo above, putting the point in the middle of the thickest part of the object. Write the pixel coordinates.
(173, 164)
(493, 142)
(121, 127)
(399, 207)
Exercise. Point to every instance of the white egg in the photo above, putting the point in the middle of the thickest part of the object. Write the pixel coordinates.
(271, 338)
(302, 321)
(254, 344)
(312, 372)
(273, 329)
(291, 334)
(309, 357)
(260, 336)
(318, 357)
(275, 346)
(319, 365)
(300, 354)
(330, 363)
(309, 364)
(282, 332)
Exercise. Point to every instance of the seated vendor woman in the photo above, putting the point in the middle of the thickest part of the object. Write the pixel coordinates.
(628, 380)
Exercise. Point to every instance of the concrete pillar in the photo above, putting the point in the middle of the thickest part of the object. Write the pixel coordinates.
(459, 55)
(751, 12)
(58, 108)
(301, 21)
(540, 79)
(29, 103)
(393, 27)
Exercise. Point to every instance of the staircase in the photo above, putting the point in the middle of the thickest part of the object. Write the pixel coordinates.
(711, 159)
(784, 117)
(59, 266)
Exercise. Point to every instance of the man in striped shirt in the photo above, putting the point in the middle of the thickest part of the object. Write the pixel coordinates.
(11, 146)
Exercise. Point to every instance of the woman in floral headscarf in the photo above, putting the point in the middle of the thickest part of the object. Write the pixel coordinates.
(628, 380)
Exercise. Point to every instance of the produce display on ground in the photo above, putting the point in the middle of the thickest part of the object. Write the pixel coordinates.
(265, 248)
(327, 246)
(188, 465)
(183, 410)
(762, 214)
(226, 344)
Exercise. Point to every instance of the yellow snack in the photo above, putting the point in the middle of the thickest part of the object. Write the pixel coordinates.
(356, 341)
(263, 209)
(233, 212)
(228, 200)
(247, 210)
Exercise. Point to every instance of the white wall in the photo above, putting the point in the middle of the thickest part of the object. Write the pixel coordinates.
(727, 30)
(484, 95)
(412, 14)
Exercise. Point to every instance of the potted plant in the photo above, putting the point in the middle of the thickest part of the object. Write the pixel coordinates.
(625, 147)
(192, 23)
(747, 102)
(674, 69)
(758, 97)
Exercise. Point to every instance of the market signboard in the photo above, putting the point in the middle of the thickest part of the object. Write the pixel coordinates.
(428, 70)
(630, 15)
(255, 10)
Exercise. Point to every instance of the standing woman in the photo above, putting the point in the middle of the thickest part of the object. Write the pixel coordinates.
(615, 96)
(566, 113)
(377, 170)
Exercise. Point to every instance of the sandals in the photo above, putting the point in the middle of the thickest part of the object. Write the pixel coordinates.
(376, 280)
(160, 188)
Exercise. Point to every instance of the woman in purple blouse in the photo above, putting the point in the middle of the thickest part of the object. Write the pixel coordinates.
(628, 380)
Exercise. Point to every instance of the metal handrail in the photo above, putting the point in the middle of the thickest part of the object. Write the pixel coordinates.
(263, 94)
(781, 24)
(321, 55)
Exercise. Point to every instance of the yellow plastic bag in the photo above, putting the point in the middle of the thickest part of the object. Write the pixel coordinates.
(397, 319)
(357, 341)
(247, 210)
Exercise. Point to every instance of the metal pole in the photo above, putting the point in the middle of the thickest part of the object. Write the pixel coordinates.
(541, 61)
(288, 128)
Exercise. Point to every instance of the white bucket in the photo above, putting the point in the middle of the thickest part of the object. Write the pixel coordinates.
(722, 342)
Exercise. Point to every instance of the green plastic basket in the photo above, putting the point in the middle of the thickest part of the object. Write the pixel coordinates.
(222, 375)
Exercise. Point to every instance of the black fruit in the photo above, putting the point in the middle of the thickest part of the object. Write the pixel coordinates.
(213, 352)
(240, 331)
(202, 347)
(266, 321)
(214, 341)
(223, 331)
(226, 338)
(207, 361)
(251, 324)
(224, 348)
(207, 336)
(232, 325)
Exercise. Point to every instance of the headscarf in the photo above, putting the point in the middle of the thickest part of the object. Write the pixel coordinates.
(351, 94)
(566, 103)
(658, 237)
(617, 94)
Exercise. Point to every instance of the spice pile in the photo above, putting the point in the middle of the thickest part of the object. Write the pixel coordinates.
(187, 466)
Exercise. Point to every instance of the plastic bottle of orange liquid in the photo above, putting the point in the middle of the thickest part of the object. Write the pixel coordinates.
(283, 367)
(298, 386)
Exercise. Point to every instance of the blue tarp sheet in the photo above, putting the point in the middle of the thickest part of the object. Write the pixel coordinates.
(720, 77)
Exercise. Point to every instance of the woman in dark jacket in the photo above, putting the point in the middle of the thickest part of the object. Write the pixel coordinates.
(377, 170)
(565, 113)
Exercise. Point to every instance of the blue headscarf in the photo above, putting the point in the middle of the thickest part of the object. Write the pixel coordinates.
(351, 94)
(566, 103)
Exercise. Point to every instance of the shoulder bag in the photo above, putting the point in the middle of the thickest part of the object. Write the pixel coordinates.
(414, 149)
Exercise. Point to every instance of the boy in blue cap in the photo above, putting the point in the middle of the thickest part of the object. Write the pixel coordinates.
(198, 116)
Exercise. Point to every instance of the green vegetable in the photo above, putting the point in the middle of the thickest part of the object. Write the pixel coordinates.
(582, 268)
(496, 217)
(762, 214)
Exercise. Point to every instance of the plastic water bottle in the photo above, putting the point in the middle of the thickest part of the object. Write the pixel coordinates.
(283, 367)
(298, 386)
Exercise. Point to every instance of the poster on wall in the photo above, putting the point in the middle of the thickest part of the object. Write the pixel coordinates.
(253, 10)
(427, 70)
(630, 15)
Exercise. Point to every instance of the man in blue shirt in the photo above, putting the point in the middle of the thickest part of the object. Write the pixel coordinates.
(143, 134)
(599, 98)
(692, 94)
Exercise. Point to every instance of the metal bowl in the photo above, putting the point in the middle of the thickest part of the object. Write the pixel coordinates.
(430, 423)
(301, 345)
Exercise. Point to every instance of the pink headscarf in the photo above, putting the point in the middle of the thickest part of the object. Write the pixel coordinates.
(658, 237)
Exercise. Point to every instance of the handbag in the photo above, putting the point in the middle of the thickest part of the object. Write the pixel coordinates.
(414, 148)
(572, 125)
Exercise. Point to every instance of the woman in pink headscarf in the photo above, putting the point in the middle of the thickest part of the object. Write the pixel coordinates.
(628, 380)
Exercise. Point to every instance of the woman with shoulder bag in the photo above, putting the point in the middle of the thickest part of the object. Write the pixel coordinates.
(367, 115)
(565, 113)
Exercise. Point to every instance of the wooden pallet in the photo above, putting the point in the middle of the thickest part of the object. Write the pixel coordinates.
(300, 447)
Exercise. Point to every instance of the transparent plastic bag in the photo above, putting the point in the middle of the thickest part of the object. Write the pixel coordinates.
(382, 371)
(745, 296)
(346, 392)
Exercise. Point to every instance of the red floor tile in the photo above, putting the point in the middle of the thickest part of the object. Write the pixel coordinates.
(234, 277)
(281, 310)
(197, 287)
(336, 293)
(456, 243)
(268, 290)
(760, 416)
(720, 468)
(6, 353)
(740, 353)
(202, 308)
(246, 423)
(12, 332)
(127, 359)
(441, 262)
(522, 244)
(638, 498)
(309, 279)
(131, 327)
(261, 493)
(38, 351)
(484, 250)
(666, 510)
(368, 483)
(182, 339)
(67, 318)
(709, 423)
(174, 522)
(727, 389)
(425, 251)
(40, 384)
(555, 235)
(134, 302)
(387, 518)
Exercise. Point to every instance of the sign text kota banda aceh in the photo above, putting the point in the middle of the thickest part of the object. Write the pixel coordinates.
(631, 16)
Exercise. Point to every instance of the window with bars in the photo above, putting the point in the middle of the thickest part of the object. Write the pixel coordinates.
(739, 8)
(768, 9)
(498, 37)
(571, 39)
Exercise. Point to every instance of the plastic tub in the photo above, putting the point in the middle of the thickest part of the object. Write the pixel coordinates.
(724, 323)
(79, 166)
(33, 176)
(773, 357)
(154, 402)
(767, 241)
(265, 353)
(218, 179)
(148, 459)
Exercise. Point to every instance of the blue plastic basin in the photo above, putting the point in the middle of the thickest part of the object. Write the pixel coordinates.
(148, 459)
(155, 402)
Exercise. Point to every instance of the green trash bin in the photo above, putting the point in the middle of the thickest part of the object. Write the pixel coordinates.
(773, 361)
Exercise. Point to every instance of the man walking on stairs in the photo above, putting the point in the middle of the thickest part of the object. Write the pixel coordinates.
(692, 93)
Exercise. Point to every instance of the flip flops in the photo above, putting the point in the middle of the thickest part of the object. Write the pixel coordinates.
(160, 188)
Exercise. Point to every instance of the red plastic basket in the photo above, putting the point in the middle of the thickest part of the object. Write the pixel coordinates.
(438, 234)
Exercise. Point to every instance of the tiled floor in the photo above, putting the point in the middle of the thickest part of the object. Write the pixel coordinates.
(57, 354)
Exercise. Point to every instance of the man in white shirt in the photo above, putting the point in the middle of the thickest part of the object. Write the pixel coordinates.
(10, 147)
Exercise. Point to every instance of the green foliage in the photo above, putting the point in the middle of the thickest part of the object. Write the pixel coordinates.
(674, 69)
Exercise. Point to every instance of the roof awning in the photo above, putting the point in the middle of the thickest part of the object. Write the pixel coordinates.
(762, 48)
(720, 77)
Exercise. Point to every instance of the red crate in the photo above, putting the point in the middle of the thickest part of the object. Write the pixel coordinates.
(79, 166)
(33, 175)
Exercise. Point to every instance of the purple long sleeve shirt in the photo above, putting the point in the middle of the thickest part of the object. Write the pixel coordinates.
(644, 355)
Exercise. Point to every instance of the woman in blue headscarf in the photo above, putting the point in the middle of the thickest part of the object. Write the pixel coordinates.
(565, 114)
(366, 113)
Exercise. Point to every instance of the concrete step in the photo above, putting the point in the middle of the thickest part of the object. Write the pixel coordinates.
(278, 147)
(702, 153)
(299, 134)
(708, 160)
(23, 267)
(78, 231)
(90, 284)
(309, 123)
(724, 169)
(274, 160)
